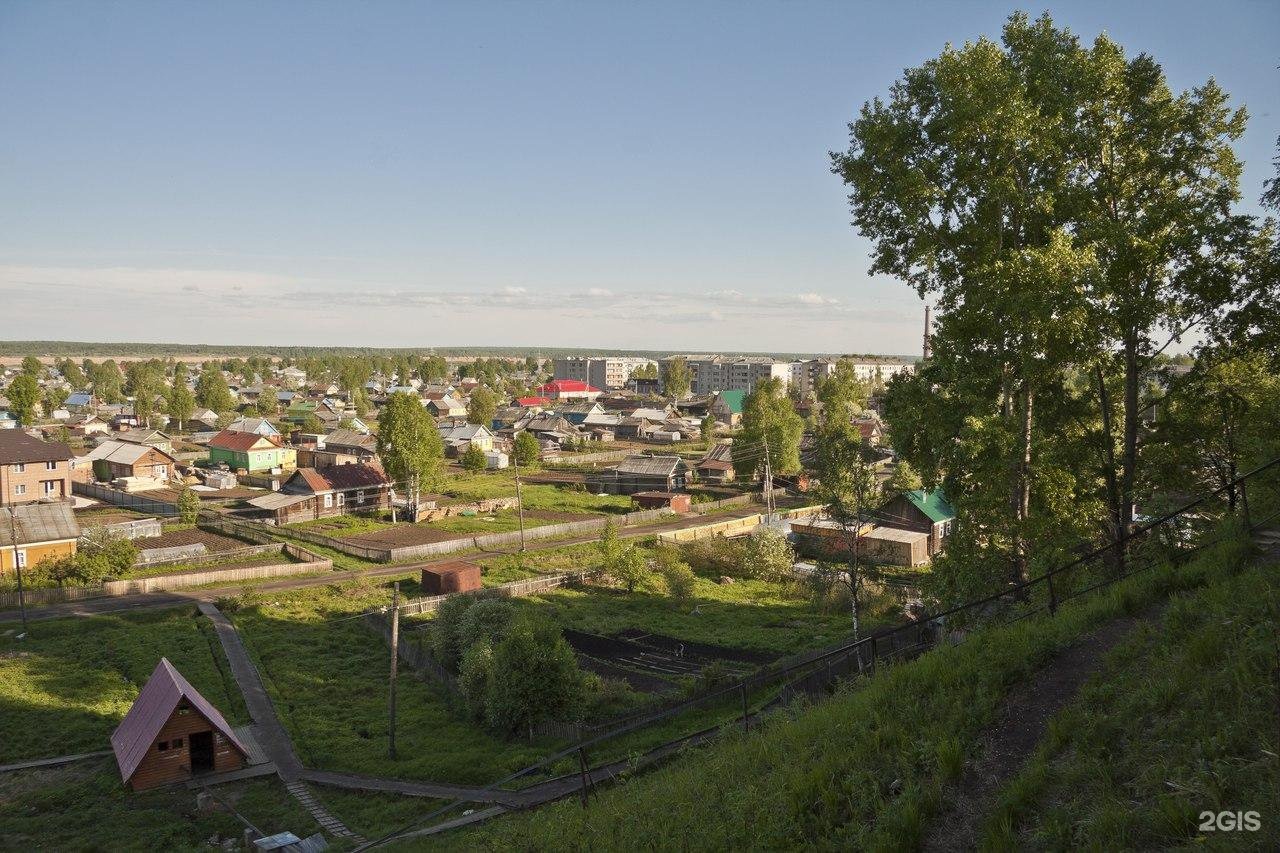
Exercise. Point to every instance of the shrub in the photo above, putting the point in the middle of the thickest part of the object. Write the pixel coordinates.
(188, 505)
(621, 561)
(473, 459)
(676, 575)
(444, 629)
(534, 679)
(526, 449)
(715, 556)
(768, 556)
(474, 676)
(486, 621)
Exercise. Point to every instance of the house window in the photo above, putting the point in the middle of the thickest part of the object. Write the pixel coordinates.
(328, 501)
(177, 743)
(162, 746)
(51, 466)
(20, 489)
(359, 497)
(342, 499)
(50, 486)
(22, 558)
(19, 467)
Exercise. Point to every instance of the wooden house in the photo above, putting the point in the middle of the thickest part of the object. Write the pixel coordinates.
(37, 532)
(926, 512)
(645, 474)
(310, 493)
(112, 459)
(172, 734)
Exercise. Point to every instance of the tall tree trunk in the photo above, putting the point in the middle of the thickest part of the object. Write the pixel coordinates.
(1114, 503)
(1022, 484)
(1129, 450)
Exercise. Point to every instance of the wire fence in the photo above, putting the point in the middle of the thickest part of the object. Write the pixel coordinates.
(1154, 543)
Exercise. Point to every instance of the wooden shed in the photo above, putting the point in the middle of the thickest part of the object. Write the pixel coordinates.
(455, 576)
(674, 501)
(172, 733)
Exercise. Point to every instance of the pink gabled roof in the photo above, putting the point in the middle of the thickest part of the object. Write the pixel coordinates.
(527, 402)
(155, 704)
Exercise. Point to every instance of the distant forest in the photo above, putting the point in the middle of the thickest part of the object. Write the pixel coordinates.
(65, 349)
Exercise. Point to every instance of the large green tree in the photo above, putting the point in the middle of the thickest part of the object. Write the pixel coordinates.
(482, 407)
(676, 377)
(212, 391)
(409, 444)
(771, 431)
(24, 394)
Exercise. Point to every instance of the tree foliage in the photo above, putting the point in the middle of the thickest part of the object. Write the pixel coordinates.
(771, 429)
(473, 458)
(408, 442)
(676, 377)
(24, 394)
(526, 449)
(482, 407)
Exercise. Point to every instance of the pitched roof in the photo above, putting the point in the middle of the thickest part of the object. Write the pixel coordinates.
(650, 466)
(933, 504)
(351, 438)
(17, 446)
(39, 522)
(123, 452)
(230, 439)
(528, 402)
(563, 385)
(336, 478)
(154, 706)
(733, 400)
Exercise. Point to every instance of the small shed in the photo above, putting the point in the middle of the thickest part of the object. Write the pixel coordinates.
(674, 501)
(454, 576)
(172, 733)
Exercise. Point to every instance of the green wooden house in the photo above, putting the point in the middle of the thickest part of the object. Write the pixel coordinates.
(247, 451)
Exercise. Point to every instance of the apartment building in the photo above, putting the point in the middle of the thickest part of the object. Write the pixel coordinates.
(708, 374)
(605, 372)
(31, 469)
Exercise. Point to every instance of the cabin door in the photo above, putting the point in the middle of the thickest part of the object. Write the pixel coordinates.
(201, 745)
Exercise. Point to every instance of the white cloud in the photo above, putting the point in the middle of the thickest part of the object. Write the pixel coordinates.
(815, 299)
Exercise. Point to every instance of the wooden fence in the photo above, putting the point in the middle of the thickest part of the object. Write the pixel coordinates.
(307, 564)
(131, 500)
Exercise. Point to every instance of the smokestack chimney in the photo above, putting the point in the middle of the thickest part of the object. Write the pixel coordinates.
(926, 332)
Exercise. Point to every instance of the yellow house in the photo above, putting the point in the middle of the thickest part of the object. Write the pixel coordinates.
(35, 532)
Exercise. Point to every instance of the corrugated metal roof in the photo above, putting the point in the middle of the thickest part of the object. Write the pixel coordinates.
(156, 702)
(278, 500)
(38, 522)
(933, 504)
(650, 466)
(238, 441)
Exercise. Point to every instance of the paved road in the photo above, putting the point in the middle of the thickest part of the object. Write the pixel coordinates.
(177, 598)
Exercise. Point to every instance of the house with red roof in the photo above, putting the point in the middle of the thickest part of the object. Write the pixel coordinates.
(533, 402)
(172, 733)
(569, 389)
(248, 451)
(335, 490)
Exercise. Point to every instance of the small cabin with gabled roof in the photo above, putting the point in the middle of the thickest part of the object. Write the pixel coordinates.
(172, 733)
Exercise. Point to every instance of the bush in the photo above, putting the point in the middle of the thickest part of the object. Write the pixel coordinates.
(676, 575)
(474, 677)
(473, 459)
(715, 556)
(526, 449)
(486, 621)
(445, 641)
(188, 505)
(621, 561)
(534, 679)
(768, 556)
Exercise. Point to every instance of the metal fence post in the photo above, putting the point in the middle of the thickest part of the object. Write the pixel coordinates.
(582, 766)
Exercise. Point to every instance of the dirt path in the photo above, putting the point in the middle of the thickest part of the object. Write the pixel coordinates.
(1020, 724)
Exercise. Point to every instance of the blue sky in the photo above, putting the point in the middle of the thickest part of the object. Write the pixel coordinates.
(639, 175)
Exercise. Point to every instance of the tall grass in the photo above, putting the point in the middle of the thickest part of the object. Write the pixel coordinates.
(1181, 721)
(864, 770)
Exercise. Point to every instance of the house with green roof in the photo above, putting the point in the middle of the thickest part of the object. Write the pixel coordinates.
(727, 407)
(924, 511)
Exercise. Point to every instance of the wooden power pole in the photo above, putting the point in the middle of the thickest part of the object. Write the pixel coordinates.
(395, 660)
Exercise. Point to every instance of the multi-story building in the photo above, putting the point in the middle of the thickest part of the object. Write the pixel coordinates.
(606, 372)
(31, 469)
(708, 374)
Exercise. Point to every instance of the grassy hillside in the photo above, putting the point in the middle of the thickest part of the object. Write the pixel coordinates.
(864, 770)
(1182, 720)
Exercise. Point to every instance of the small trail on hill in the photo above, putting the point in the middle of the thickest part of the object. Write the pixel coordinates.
(1020, 723)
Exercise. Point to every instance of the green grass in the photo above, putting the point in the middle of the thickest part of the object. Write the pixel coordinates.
(370, 813)
(339, 526)
(329, 682)
(1181, 720)
(69, 683)
(497, 484)
(505, 568)
(864, 770)
(83, 806)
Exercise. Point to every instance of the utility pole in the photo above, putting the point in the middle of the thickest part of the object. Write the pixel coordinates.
(768, 481)
(395, 660)
(17, 565)
(519, 499)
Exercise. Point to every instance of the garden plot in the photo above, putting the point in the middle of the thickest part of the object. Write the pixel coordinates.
(658, 661)
(213, 542)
